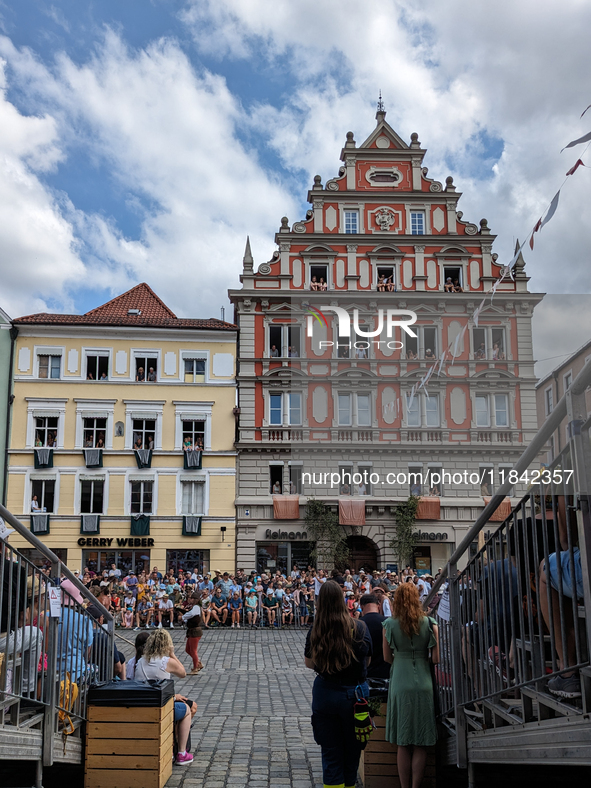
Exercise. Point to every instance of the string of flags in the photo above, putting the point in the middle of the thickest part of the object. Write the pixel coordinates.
(452, 349)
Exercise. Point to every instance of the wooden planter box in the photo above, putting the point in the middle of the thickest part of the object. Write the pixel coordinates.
(129, 747)
(377, 767)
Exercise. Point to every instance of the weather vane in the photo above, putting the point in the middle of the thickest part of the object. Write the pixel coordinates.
(380, 103)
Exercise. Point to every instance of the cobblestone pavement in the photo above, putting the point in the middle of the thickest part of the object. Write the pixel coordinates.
(253, 725)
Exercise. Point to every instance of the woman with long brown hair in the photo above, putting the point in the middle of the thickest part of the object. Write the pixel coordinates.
(409, 637)
(338, 648)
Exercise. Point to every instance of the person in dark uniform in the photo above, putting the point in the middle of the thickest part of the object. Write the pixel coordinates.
(338, 648)
(372, 618)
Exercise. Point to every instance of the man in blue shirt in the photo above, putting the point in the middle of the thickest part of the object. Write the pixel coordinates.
(206, 584)
(224, 584)
(219, 607)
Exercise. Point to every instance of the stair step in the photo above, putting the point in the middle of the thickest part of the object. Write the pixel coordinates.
(551, 702)
(503, 713)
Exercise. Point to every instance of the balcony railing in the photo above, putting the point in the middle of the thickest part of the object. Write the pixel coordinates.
(379, 436)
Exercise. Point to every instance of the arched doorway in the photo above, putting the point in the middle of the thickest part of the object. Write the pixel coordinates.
(363, 554)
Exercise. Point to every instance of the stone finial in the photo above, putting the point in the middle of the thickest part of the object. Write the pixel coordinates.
(449, 184)
(350, 143)
(284, 225)
(484, 228)
(495, 257)
(317, 182)
(519, 263)
(414, 140)
(248, 260)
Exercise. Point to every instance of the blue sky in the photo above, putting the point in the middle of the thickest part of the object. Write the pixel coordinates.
(141, 140)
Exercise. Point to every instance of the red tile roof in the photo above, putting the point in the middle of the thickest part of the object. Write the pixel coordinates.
(153, 313)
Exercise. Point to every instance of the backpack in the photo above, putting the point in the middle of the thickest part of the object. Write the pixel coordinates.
(68, 695)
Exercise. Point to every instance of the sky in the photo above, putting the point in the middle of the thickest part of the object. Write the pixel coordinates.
(143, 140)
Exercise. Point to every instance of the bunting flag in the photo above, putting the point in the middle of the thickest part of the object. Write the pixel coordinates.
(477, 311)
(582, 113)
(584, 138)
(413, 391)
(552, 208)
(578, 163)
(534, 231)
(441, 360)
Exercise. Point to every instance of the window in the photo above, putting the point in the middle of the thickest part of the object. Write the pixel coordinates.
(413, 413)
(351, 222)
(344, 403)
(479, 343)
(318, 277)
(434, 483)
(146, 369)
(415, 479)
(363, 410)
(346, 476)
(143, 433)
(46, 431)
(412, 350)
(94, 433)
(284, 341)
(295, 479)
(386, 278)
(43, 495)
(364, 488)
(452, 277)
(276, 409)
(549, 400)
(498, 344)
(193, 434)
(141, 497)
(295, 407)
(91, 496)
(429, 345)
(501, 411)
(193, 497)
(97, 367)
(417, 223)
(486, 474)
(276, 479)
(50, 366)
(482, 415)
(568, 379)
(194, 370)
(432, 411)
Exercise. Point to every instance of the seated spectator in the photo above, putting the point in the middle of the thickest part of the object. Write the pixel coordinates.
(219, 607)
(270, 607)
(235, 608)
(140, 642)
(457, 286)
(101, 649)
(286, 611)
(144, 613)
(481, 351)
(449, 285)
(166, 611)
(205, 608)
(159, 662)
(250, 605)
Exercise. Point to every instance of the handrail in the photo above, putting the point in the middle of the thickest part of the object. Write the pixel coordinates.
(51, 556)
(550, 426)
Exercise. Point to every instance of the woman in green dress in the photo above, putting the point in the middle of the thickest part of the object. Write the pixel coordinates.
(408, 638)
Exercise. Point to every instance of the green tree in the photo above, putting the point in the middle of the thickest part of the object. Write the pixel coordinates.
(323, 527)
(404, 540)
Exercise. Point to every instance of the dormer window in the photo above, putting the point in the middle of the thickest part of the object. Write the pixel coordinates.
(134, 311)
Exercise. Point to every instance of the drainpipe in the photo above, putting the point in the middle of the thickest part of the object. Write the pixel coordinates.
(555, 376)
(9, 399)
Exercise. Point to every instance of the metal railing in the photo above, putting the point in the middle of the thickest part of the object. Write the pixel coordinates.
(515, 621)
(51, 650)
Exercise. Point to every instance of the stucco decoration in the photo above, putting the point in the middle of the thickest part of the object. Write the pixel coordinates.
(438, 219)
(471, 229)
(223, 365)
(431, 274)
(24, 359)
(318, 335)
(407, 273)
(382, 142)
(296, 268)
(330, 217)
(453, 330)
(363, 273)
(72, 360)
(170, 363)
(299, 227)
(320, 404)
(121, 362)
(384, 219)
(340, 273)
(389, 405)
(435, 187)
(474, 274)
(264, 269)
(332, 185)
(457, 400)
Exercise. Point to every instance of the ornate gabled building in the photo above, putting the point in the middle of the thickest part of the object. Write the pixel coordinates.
(315, 400)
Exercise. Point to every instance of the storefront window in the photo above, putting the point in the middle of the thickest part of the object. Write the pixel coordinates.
(125, 560)
(36, 557)
(273, 556)
(178, 561)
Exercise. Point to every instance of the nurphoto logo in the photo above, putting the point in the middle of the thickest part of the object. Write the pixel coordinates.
(404, 318)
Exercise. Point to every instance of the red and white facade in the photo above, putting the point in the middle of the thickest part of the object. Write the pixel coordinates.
(312, 403)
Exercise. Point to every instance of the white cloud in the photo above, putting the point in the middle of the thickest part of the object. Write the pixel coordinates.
(37, 244)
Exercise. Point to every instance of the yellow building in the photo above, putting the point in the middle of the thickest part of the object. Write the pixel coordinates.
(122, 436)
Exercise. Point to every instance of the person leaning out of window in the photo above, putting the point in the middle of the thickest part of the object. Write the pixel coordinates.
(338, 648)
